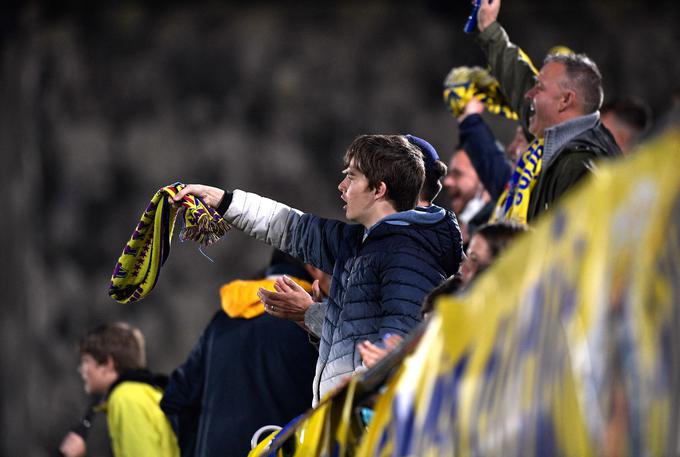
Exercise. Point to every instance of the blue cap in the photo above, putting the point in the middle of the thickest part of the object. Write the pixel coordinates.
(430, 155)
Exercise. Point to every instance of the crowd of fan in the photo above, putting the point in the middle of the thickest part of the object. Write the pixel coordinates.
(338, 296)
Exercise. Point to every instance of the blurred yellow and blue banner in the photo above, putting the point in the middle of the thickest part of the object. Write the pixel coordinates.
(569, 345)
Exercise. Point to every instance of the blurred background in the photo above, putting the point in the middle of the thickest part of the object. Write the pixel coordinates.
(105, 103)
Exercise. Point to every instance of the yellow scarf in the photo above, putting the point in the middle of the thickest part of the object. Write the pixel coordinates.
(513, 204)
(462, 84)
(138, 267)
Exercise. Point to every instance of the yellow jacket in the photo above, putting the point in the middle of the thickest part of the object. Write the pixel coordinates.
(137, 426)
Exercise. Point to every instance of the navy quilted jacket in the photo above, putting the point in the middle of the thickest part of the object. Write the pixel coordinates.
(380, 276)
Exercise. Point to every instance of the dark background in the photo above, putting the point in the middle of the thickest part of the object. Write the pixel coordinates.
(102, 105)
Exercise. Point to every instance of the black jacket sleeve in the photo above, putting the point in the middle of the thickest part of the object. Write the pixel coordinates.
(181, 400)
(489, 160)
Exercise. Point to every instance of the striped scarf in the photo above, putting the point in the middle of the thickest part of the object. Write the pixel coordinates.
(513, 204)
(462, 84)
(138, 267)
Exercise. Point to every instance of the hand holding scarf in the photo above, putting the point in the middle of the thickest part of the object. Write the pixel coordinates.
(138, 267)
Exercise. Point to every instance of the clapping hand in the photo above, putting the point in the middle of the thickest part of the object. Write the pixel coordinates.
(289, 301)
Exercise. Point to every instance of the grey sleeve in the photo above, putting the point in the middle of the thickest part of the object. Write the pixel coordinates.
(262, 218)
(314, 317)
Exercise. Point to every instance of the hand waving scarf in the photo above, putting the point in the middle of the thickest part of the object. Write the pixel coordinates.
(138, 267)
(462, 84)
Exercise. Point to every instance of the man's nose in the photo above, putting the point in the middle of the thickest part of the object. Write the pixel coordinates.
(530, 93)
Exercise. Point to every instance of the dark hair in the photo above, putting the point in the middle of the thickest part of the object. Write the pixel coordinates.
(631, 111)
(584, 78)
(392, 160)
(120, 341)
(432, 184)
(450, 286)
(499, 234)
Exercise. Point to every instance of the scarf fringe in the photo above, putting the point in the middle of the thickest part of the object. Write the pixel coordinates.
(206, 230)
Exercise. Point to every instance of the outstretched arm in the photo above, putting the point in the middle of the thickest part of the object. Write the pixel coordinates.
(312, 239)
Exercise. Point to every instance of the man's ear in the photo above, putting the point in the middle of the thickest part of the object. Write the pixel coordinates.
(381, 190)
(568, 100)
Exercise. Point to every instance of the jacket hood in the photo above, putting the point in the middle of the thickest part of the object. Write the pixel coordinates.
(239, 298)
(435, 228)
(423, 215)
(144, 376)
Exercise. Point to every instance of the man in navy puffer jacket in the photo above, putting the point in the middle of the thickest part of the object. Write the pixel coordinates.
(382, 266)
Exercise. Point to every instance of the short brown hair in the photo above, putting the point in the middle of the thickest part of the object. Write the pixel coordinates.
(120, 341)
(432, 184)
(499, 234)
(392, 160)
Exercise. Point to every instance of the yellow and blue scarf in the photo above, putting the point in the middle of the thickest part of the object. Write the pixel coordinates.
(462, 84)
(138, 267)
(513, 204)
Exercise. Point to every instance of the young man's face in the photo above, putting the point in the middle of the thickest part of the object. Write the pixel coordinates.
(359, 198)
(97, 377)
(545, 98)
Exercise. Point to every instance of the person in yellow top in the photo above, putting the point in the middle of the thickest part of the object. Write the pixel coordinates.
(113, 364)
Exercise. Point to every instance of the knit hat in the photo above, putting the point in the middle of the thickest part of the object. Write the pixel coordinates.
(430, 155)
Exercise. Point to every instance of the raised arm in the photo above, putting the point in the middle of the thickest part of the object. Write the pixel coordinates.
(486, 157)
(509, 64)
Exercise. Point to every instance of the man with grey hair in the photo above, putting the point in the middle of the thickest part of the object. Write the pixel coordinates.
(559, 107)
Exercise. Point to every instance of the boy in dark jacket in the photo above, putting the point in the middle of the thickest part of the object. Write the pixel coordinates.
(382, 266)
